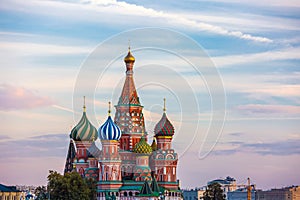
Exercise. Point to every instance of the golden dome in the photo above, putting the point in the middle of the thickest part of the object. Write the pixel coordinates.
(129, 58)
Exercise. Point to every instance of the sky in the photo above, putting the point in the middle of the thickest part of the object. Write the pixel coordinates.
(229, 70)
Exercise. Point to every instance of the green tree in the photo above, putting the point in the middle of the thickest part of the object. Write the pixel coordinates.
(92, 186)
(71, 186)
(41, 193)
(214, 192)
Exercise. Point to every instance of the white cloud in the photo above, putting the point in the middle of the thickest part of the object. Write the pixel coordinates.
(132, 9)
(115, 11)
(282, 54)
(279, 3)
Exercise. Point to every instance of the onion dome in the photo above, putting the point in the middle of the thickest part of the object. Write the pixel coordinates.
(164, 127)
(154, 145)
(129, 58)
(142, 147)
(84, 130)
(109, 130)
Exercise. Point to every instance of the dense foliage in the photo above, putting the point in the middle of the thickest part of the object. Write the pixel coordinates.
(214, 192)
(70, 186)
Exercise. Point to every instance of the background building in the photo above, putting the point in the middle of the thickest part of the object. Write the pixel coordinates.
(228, 184)
(241, 194)
(10, 193)
(193, 194)
(288, 193)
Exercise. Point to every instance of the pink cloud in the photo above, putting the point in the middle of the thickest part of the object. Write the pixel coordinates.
(15, 98)
(269, 109)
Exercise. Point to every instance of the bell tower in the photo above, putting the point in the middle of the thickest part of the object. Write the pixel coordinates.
(129, 116)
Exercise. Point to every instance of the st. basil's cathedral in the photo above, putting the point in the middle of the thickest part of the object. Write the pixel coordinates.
(126, 167)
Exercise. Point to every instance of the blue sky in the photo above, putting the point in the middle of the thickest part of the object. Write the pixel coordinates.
(254, 46)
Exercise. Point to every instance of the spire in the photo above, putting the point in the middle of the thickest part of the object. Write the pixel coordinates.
(109, 108)
(84, 108)
(146, 190)
(164, 105)
(154, 185)
(129, 94)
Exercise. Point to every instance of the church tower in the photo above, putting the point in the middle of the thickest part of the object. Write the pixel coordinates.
(142, 171)
(164, 159)
(129, 116)
(110, 179)
(81, 138)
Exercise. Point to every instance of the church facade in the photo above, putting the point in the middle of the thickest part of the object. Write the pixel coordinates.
(126, 167)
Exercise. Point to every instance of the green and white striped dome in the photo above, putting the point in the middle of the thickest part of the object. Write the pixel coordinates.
(84, 130)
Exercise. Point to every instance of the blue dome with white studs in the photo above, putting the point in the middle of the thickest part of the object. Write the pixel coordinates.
(109, 130)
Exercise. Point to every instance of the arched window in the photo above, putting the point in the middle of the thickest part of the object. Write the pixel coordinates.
(130, 194)
(125, 194)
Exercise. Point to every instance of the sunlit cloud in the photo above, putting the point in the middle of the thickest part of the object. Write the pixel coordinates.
(14, 98)
(277, 148)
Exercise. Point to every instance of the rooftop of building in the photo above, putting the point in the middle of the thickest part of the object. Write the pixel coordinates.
(5, 188)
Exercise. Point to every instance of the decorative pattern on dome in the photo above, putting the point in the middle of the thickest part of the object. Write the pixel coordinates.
(142, 147)
(84, 130)
(109, 130)
(164, 127)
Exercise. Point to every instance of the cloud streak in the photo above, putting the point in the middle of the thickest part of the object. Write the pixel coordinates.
(133, 9)
(282, 54)
(48, 145)
(118, 9)
(15, 98)
(269, 109)
(277, 148)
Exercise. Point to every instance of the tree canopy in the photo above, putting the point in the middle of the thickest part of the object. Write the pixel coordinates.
(214, 192)
(70, 186)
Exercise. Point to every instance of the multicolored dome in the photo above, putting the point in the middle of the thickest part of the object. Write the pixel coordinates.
(164, 127)
(84, 130)
(129, 58)
(142, 147)
(109, 130)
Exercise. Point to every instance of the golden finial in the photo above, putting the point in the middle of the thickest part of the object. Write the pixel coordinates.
(129, 45)
(109, 109)
(164, 105)
(84, 108)
(129, 58)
